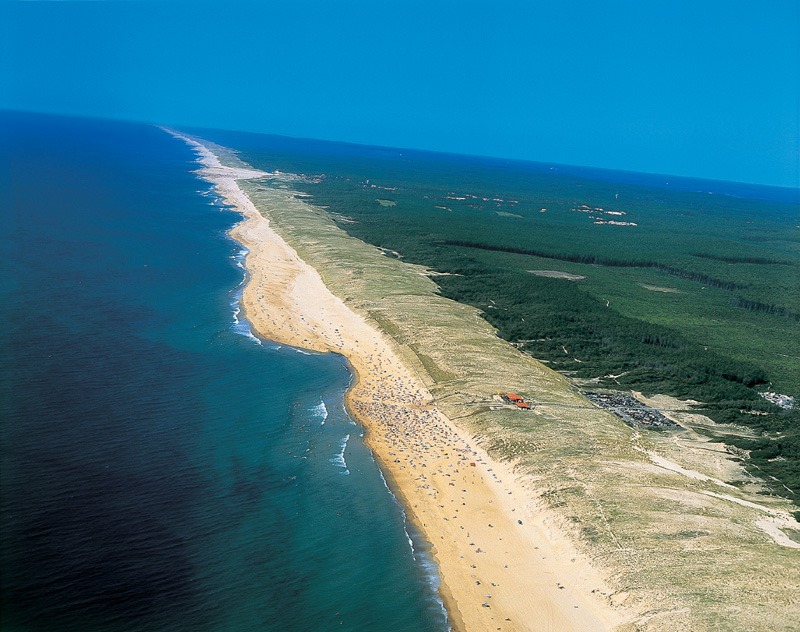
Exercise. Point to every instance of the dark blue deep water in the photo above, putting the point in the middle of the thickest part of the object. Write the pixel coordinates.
(162, 469)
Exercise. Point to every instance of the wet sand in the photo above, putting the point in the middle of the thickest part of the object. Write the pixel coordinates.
(503, 562)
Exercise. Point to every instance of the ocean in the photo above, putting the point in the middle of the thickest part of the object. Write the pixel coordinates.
(162, 467)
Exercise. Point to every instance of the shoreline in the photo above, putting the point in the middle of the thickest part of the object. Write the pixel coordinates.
(503, 564)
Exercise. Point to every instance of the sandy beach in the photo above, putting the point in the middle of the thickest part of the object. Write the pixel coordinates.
(504, 565)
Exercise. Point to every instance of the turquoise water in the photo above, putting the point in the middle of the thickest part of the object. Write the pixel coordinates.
(162, 468)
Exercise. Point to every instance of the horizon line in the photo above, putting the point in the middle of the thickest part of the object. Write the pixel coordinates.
(782, 187)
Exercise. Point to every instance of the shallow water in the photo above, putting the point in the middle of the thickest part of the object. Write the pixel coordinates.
(163, 468)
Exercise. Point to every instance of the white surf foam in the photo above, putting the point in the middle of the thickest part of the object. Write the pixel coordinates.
(338, 460)
(320, 411)
(239, 258)
(422, 558)
(242, 327)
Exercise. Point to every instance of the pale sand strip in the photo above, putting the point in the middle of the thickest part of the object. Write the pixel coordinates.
(491, 544)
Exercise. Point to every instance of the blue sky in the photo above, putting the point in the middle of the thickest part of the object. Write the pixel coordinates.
(702, 88)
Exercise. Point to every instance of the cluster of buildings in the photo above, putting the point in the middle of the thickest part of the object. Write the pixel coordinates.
(597, 215)
(784, 401)
(516, 400)
(630, 410)
(614, 222)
